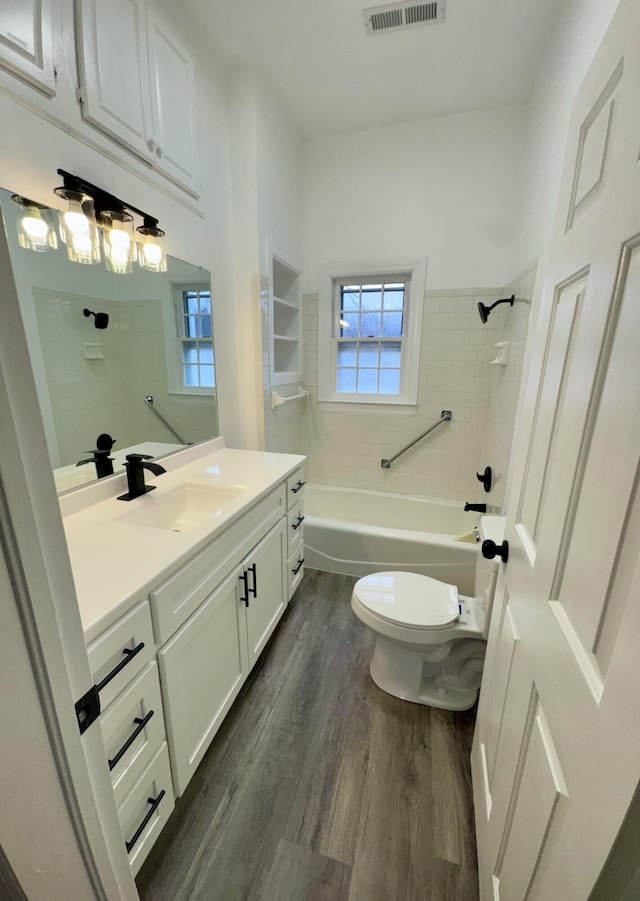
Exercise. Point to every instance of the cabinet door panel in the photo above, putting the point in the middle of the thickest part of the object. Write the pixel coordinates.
(267, 606)
(202, 669)
(172, 104)
(26, 42)
(115, 70)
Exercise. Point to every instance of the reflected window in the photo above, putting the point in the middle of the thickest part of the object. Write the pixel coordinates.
(195, 339)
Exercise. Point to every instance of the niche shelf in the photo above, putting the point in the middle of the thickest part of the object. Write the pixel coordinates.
(285, 321)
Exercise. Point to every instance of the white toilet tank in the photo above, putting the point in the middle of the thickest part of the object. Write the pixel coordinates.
(486, 575)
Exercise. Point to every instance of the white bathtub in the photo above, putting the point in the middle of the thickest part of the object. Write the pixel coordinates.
(355, 532)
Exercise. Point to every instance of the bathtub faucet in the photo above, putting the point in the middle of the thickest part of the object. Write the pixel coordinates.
(476, 508)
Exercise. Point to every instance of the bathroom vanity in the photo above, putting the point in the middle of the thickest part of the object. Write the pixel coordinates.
(179, 592)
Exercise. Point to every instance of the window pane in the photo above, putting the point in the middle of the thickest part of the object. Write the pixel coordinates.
(369, 355)
(347, 353)
(190, 302)
(191, 326)
(350, 300)
(392, 325)
(390, 381)
(371, 300)
(349, 323)
(370, 325)
(390, 355)
(347, 381)
(191, 376)
(206, 376)
(393, 300)
(205, 352)
(367, 381)
(205, 326)
(190, 352)
(205, 304)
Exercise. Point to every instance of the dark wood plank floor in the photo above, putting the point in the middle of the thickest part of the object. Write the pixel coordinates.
(319, 786)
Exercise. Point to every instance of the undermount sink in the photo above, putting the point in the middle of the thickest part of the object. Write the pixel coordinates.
(183, 508)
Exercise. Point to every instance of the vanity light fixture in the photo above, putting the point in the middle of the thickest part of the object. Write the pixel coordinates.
(93, 210)
(36, 230)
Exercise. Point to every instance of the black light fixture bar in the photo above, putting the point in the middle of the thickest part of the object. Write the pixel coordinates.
(104, 200)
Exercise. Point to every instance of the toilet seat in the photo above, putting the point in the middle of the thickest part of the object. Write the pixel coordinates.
(409, 599)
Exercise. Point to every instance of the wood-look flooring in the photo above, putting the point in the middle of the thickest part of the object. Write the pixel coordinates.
(319, 786)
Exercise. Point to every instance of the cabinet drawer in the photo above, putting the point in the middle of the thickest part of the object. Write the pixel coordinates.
(132, 638)
(146, 808)
(295, 569)
(174, 601)
(295, 520)
(133, 730)
(295, 487)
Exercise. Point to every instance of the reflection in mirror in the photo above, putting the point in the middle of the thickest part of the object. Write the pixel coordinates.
(127, 359)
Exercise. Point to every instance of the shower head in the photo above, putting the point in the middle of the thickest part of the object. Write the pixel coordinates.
(101, 319)
(484, 310)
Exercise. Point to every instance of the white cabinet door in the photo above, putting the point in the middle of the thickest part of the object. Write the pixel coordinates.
(202, 669)
(26, 42)
(172, 104)
(112, 52)
(264, 594)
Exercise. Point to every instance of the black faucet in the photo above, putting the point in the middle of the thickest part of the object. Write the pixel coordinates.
(104, 463)
(477, 508)
(136, 465)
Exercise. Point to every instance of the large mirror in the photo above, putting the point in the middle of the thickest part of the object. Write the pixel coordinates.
(126, 356)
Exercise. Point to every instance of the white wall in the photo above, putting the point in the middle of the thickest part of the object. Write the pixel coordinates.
(577, 37)
(445, 189)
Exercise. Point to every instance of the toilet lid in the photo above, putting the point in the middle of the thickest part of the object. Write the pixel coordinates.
(409, 599)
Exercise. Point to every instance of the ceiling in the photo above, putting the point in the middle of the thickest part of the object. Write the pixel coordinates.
(334, 78)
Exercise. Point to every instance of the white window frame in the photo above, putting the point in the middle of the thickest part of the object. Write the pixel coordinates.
(176, 340)
(330, 276)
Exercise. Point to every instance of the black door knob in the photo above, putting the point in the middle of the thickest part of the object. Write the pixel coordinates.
(490, 550)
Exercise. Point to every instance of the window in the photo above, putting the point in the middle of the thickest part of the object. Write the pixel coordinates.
(370, 327)
(195, 340)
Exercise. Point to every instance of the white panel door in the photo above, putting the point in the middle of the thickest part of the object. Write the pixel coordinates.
(264, 592)
(26, 42)
(112, 51)
(172, 102)
(555, 759)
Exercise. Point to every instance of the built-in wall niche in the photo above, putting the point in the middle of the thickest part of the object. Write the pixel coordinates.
(285, 321)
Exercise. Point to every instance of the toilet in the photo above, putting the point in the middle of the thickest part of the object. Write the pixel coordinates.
(430, 641)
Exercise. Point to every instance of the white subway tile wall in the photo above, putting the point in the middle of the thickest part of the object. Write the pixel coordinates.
(344, 445)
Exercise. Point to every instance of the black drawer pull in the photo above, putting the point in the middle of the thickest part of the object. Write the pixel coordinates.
(299, 487)
(154, 806)
(244, 577)
(254, 590)
(298, 567)
(296, 525)
(140, 724)
(129, 655)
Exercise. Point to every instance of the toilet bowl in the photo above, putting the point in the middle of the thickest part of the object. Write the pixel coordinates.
(430, 641)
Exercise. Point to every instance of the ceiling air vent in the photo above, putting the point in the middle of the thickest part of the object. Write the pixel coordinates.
(396, 16)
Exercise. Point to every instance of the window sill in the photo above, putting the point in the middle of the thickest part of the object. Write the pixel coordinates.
(400, 408)
(202, 392)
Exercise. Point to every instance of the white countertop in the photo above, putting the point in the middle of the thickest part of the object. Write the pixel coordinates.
(115, 562)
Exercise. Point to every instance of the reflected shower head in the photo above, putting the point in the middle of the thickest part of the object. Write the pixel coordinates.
(484, 310)
(101, 319)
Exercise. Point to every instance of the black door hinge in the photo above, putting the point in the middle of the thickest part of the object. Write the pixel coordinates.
(88, 709)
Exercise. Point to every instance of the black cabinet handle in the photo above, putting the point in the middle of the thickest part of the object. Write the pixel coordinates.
(154, 806)
(244, 577)
(299, 487)
(140, 724)
(296, 525)
(298, 567)
(254, 590)
(129, 655)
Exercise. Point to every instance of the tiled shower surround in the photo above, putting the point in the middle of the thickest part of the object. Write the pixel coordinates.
(344, 445)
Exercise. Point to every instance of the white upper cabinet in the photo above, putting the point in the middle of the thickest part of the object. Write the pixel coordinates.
(26, 42)
(172, 93)
(137, 85)
(115, 71)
